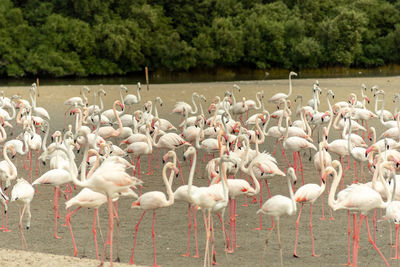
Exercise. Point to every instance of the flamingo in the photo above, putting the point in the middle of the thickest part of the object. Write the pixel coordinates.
(357, 199)
(130, 99)
(107, 132)
(23, 192)
(308, 193)
(393, 211)
(109, 178)
(277, 97)
(277, 206)
(152, 201)
(181, 107)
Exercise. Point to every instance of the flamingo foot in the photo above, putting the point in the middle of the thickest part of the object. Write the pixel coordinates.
(395, 258)
(149, 173)
(332, 218)
(244, 205)
(254, 200)
(295, 255)
(322, 218)
(57, 237)
(6, 230)
(258, 229)
(155, 265)
(230, 251)
(196, 256)
(186, 255)
(315, 255)
(347, 264)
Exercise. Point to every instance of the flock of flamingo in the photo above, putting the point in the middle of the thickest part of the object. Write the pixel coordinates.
(112, 140)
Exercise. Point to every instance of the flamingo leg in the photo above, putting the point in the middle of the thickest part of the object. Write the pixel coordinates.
(373, 243)
(279, 242)
(349, 234)
(134, 241)
(396, 255)
(297, 231)
(68, 220)
(115, 212)
(301, 167)
(154, 240)
(261, 203)
(206, 253)
(94, 232)
(110, 231)
(235, 221)
(311, 231)
(265, 245)
(189, 230)
(195, 233)
(24, 244)
(322, 203)
(56, 212)
(180, 170)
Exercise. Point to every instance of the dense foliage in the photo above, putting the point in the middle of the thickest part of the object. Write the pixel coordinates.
(112, 37)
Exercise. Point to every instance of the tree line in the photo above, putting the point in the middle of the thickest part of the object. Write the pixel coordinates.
(59, 38)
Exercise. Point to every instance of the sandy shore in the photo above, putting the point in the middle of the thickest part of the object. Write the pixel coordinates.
(11, 258)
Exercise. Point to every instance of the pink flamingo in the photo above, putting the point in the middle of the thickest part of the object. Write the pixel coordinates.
(23, 192)
(308, 193)
(181, 195)
(108, 131)
(358, 199)
(278, 206)
(110, 178)
(277, 97)
(151, 201)
(139, 149)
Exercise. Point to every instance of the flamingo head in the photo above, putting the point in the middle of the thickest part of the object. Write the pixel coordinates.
(191, 150)
(120, 104)
(212, 106)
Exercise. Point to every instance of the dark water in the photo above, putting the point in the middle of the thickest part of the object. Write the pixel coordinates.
(199, 75)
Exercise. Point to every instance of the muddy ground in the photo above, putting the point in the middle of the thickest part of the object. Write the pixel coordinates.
(171, 223)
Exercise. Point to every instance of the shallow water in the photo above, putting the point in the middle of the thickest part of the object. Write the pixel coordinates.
(171, 223)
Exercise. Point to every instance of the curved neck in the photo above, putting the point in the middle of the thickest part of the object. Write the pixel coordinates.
(120, 95)
(197, 141)
(10, 164)
(120, 127)
(260, 132)
(96, 164)
(83, 94)
(3, 137)
(168, 186)
(258, 106)
(267, 122)
(331, 198)
(394, 187)
(171, 175)
(290, 87)
(329, 103)
(291, 193)
(376, 103)
(194, 104)
(155, 110)
(44, 143)
(200, 106)
(139, 98)
(255, 180)
(191, 174)
(101, 102)
(336, 123)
